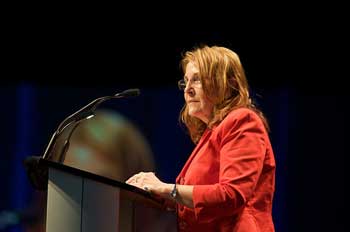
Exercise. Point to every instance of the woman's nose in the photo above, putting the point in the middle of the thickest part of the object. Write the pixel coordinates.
(189, 90)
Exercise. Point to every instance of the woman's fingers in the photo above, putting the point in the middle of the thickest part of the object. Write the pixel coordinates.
(138, 178)
(144, 180)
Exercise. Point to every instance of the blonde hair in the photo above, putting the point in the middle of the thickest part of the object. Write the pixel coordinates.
(223, 81)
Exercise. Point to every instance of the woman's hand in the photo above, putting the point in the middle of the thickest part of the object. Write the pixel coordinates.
(149, 182)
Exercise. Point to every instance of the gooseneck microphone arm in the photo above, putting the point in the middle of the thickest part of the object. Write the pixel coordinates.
(89, 109)
(84, 113)
(38, 173)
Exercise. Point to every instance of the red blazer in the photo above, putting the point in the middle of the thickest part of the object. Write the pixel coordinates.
(232, 169)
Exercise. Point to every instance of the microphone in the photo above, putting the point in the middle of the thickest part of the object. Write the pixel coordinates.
(87, 112)
(36, 172)
(129, 93)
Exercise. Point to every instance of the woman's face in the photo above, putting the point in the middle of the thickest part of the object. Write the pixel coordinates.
(198, 104)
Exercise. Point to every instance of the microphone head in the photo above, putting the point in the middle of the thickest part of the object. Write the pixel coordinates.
(129, 93)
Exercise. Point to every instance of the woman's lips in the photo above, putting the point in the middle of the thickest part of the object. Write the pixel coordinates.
(191, 102)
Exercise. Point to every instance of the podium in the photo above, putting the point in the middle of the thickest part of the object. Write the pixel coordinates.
(78, 200)
(81, 201)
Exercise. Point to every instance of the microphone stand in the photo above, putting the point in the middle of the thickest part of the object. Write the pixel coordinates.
(66, 144)
(37, 173)
(84, 113)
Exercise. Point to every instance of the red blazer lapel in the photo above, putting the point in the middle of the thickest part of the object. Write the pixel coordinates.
(193, 154)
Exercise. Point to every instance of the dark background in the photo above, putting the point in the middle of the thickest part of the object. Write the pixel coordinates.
(55, 64)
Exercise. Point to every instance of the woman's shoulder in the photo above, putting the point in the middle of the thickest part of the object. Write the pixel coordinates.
(241, 116)
(242, 113)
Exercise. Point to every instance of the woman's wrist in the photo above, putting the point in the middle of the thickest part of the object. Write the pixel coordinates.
(173, 193)
(167, 189)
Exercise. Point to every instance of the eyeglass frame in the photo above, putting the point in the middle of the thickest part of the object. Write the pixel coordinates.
(182, 84)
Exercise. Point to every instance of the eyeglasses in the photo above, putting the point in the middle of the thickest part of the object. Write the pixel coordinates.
(194, 82)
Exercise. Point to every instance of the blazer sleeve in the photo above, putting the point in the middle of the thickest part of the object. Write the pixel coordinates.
(242, 151)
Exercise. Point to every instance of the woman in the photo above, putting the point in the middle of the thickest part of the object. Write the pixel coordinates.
(228, 182)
